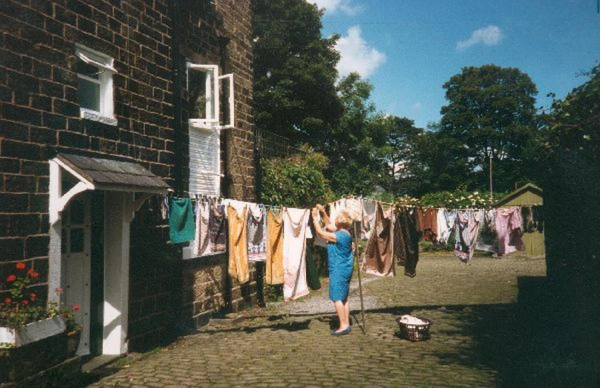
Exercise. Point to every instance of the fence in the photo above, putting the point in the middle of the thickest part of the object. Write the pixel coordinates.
(269, 145)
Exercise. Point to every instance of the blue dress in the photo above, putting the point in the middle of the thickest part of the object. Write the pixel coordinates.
(341, 261)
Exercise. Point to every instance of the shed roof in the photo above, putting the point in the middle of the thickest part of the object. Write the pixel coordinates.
(107, 174)
(529, 187)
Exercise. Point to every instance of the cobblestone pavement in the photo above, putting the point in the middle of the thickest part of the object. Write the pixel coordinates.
(479, 337)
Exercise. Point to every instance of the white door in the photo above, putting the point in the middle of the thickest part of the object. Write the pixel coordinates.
(76, 257)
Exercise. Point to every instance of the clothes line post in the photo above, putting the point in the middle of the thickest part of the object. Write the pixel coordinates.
(356, 254)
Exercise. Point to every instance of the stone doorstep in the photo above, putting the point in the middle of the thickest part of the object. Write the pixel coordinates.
(98, 362)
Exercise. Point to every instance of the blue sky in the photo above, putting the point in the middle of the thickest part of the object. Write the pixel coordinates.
(409, 48)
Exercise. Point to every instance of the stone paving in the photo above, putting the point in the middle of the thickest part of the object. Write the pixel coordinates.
(484, 334)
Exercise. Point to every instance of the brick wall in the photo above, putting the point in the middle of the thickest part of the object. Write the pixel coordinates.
(39, 117)
(40, 109)
(219, 33)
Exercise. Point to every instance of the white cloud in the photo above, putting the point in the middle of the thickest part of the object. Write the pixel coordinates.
(356, 55)
(332, 6)
(488, 36)
(417, 106)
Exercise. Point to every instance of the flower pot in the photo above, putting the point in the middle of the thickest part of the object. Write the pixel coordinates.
(73, 342)
(33, 331)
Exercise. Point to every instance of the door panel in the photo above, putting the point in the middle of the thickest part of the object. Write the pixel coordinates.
(97, 275)
(76, 257)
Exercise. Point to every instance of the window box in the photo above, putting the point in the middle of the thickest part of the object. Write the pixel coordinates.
(32, 332)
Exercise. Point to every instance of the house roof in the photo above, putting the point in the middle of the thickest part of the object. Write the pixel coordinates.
(107, 174)
(528, 187)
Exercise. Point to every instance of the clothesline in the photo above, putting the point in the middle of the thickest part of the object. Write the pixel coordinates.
(245, 225)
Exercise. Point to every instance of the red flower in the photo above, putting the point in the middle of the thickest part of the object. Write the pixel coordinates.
(11, 278)
(76, 307)
(33, 296)
(20, 265)
(7, 300)
(24, 302)
(33, 274)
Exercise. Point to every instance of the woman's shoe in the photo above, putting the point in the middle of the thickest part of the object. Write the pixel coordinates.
(343, 332)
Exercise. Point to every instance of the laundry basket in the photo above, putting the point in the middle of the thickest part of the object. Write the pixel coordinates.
(414, 331)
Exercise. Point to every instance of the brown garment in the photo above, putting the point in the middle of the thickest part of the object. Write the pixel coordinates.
(274, 265)
(427, 223)
(406, 240)
(378, 258)
(238, 245)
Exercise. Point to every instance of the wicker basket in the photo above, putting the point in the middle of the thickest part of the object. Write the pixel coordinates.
(415, 332)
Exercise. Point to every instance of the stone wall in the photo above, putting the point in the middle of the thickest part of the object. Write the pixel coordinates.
(40, 110)
(219, 33)
(39, 117)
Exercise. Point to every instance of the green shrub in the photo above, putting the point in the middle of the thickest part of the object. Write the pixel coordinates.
(297, 181)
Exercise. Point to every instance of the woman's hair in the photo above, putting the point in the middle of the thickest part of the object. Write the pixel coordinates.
(343, 219)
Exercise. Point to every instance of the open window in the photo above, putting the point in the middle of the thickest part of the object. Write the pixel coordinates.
(95, 85)
(205, 91)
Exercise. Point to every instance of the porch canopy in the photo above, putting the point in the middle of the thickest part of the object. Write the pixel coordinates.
(100, 174)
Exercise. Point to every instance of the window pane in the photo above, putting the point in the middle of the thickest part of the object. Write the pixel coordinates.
(89, 95)
(197, 97)
(88, 70)
(77, 212)
(77, 236)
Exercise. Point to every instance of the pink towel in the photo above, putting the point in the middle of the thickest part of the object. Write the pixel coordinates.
(508, 227)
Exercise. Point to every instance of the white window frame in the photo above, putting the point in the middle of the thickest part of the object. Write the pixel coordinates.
(212, 94)
(210, 124)
(106, 70)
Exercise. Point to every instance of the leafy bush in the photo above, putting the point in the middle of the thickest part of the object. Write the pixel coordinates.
(459, 199)
(297, 181)
(407, 200)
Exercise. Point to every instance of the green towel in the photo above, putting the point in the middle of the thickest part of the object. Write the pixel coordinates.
(312, 274)
(181, 220)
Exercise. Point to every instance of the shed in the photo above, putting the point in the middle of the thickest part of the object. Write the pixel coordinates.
(527, 195)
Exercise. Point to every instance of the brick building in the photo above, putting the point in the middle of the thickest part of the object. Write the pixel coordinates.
(104, 106)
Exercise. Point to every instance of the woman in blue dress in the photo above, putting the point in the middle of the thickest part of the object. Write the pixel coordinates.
(340, 262)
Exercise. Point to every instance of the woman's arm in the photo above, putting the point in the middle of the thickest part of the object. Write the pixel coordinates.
(325, 235)
(330, 226)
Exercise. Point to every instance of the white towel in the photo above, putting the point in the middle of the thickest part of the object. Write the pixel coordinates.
(294, 253)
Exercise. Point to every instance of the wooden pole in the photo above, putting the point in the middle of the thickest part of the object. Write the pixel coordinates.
(356, 254)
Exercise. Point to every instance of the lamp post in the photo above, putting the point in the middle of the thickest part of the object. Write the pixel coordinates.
(491, 186)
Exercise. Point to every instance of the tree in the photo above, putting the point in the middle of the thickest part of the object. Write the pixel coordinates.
(574, 123)
(571, 178)
(403, 154)
(355, 146)
(294, 71)
(490, 116)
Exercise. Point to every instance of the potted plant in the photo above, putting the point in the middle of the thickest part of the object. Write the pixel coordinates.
(72, 328)
(23, 319)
